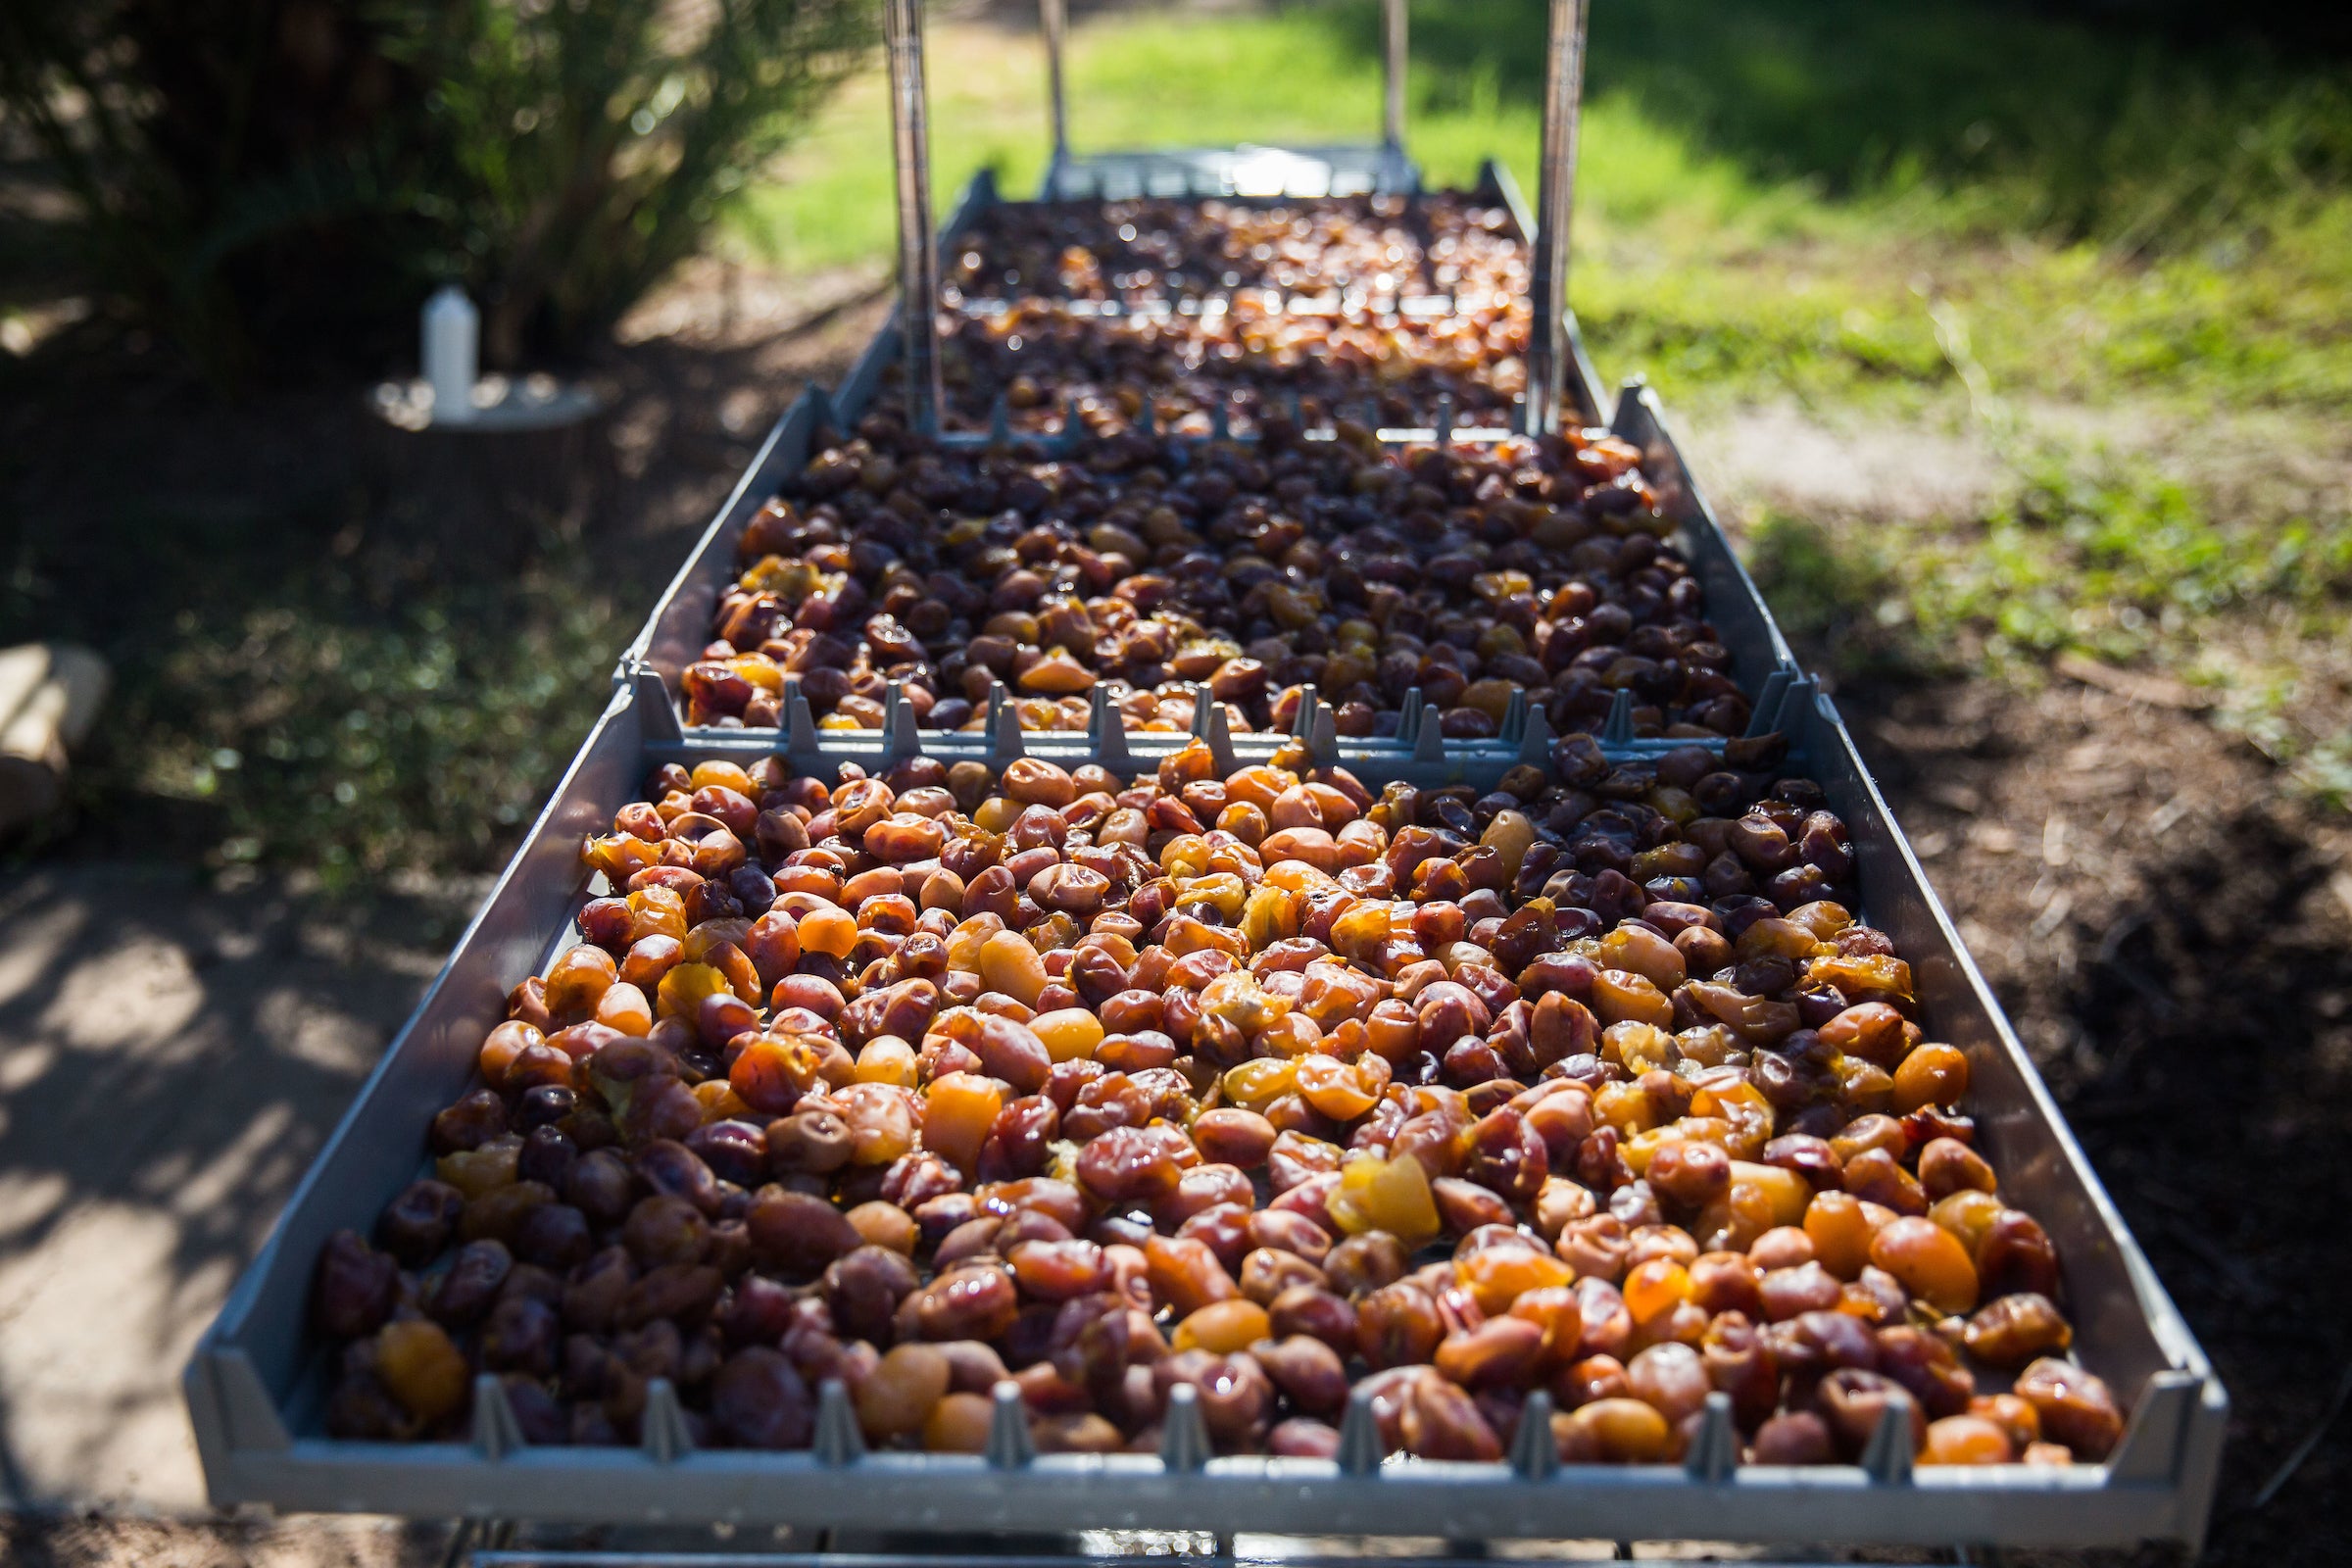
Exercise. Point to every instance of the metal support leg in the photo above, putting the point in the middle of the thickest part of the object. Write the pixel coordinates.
(918, 255)
(476, 1535)
(1555, 204)
(1392, 32)
(1053, 17)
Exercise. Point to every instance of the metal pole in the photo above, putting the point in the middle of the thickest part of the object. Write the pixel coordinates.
(1392, 125)
(1563, 101)
(918, 253)
(1054, 16)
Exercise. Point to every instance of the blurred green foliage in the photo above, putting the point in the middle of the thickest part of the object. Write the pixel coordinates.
(272, 181)
(579, 149)
(2033, 125)
(235, 167)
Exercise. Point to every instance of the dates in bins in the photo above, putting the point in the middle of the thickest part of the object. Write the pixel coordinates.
(1591, 1084)
(1148, 565)
(1144, 560)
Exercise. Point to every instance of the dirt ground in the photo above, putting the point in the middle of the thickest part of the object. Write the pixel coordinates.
(2173, 940)
(2172, 937)
(2174, 944)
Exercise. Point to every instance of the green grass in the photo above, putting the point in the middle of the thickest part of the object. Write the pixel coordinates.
(2103, 558)
(1135, 79)
(1773, 192)
(379, 731)
(2100, 554)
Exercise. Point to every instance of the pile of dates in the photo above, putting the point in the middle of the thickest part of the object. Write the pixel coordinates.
(1256, 359)
(1146, 565)
(1266, 1085)
(1376, 304)
(1383, 249)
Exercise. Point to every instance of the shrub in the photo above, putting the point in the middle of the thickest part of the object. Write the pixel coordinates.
(267, 180)
(581, 147)
(233, 162)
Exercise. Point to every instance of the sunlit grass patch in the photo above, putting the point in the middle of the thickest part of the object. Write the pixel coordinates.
(1763, 188)
(2103, 556)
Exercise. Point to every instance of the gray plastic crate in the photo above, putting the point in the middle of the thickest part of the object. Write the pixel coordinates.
(257, 1382)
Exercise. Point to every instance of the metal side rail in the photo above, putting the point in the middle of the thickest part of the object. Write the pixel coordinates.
(496, 1546)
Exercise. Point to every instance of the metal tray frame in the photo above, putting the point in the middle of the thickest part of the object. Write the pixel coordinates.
(257, 1382)
(678, 625)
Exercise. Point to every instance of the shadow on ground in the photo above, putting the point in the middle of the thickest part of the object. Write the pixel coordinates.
(346, 648)
(184, 1026)
(176, 1058)
(2173, 941)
